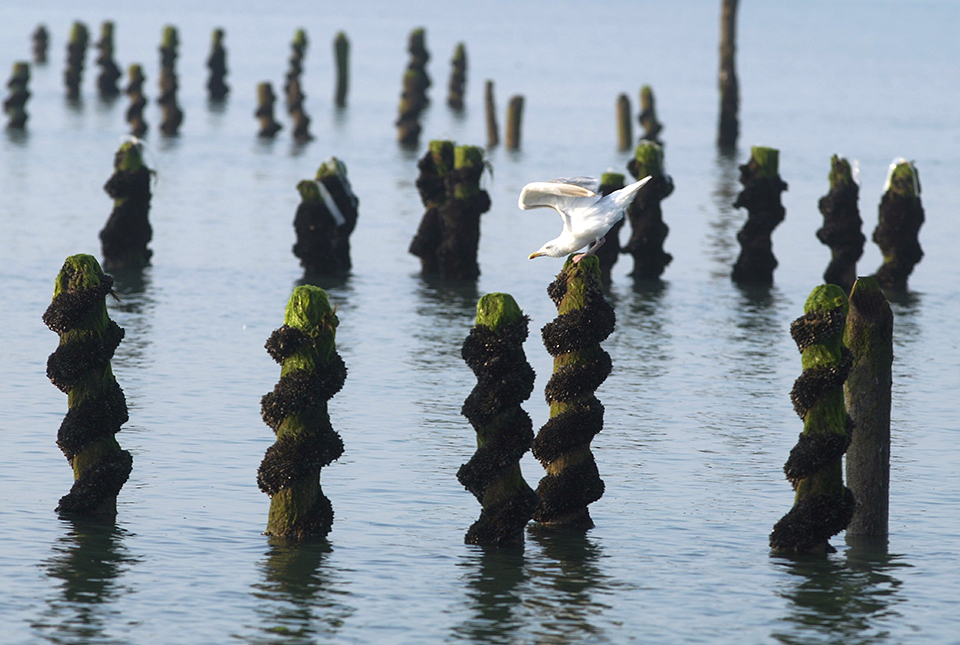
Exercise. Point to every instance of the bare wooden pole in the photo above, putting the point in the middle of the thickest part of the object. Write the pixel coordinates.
(729, 87)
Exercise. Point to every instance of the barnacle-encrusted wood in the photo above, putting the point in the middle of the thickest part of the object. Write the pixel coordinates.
(311, 373)
(898, 227)
(109, 72)
(217, 64)
(325, 219)
(134, 90)
(580, 365)
(264, 112)
(14, 105)
(869, 335)
(76, 57)
(81, 367)
(823, 506)
(494, 351)
(449, 234)
(172, 114)
(841, 225)
(413, 98)
(127, 232)
(647, 229)
(458, 77)
(761, 197)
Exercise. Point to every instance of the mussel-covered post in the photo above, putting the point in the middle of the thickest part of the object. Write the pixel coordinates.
(15, 105)
(823, 505)
(648, 230)
(138, 101)
(341, 52)
(460, 215)
(80, 367)
(761, 197)
(109, 72)
(325, 219)
(264, 112)
(869, 336)
(514, 122)
(311, 373)
(609, 253)
(841, 225)
(434, 167)
(294, 89)
(898, 227)
(648, 115)
(413, 98)
(458, 77)
(41, 40)
(580, 366)
(217, 87)
(494, 351)
(172, 114)
(76, 57)
(125, 237)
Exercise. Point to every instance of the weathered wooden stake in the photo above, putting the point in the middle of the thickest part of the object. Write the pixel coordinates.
(172, 114)
(80, 367)
(76, 57)
(138, 101)
(624, 126)
(264, 112)
(729, 129)
(494, 351)
(311, 373)
(648, 116)
(648, 230)
(458, 77)
(15, 105)
(41, 40)
(125, 237)
(869, 336)
(898, 228)
(761, 197)
(413, 99)
(341, 51)
(823, 506)
(580, 365)
(217, 64)
(109, 72)
(493, 132)
(514, 117)
(841, 225)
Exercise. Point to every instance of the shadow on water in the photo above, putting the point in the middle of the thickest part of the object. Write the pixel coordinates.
(831, 599)
(88, 560)
(496, 578)
(722, 240)
(563, 580)
(299, 599)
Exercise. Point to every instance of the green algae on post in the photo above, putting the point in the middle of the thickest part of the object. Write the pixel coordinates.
(458, 78)
(76, 57)
(624, 127)
(324, 221)
(609, 253)
(264, 112)
(823, 505)
(584, 319)
(729, 127)
(449, 232)
(494, 351)
(648, 116)
(125, 237)
(311, 373)
(109, 72)
(868, 334)
(80, 367)
(898, 227)
(490, 108)
(217, 64)
(294, 91)
(514, 120)
(841, 225)
(172, 114)
(761, 197)
(648, 230)
(15, 105)
(138, 101)
(341, 51)
(413, 98)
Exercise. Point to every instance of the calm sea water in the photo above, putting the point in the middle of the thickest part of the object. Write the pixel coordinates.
(698, 419)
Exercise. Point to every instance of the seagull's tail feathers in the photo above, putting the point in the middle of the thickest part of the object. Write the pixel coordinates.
(623, 197)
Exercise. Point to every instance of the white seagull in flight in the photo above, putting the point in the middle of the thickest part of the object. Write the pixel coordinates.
(586, 215)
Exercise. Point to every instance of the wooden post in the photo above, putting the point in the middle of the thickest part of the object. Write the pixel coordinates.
(898, 227)
(15, 104)
(761, 197)
(841, 225)
(127, 232)
(624, 126)
(341, 51)
(458, 78)
(729, 129)
(514, 117)
(493, 132)
(217, 64)
(647, 228)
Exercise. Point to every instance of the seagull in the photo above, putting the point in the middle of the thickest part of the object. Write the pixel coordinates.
(586, 215)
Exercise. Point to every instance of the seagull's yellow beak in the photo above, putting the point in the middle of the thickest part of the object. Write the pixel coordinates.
(534, 255)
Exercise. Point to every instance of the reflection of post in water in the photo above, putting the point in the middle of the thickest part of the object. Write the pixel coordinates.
(298, 600)
(87, 560)
(721, 236)
(495, 580)
(836, 601)
(563, 592)
(135, 305)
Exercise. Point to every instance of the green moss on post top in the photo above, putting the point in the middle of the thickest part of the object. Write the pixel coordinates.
(311, 373)
(765, 161)
(898, 228)
(869, 336)
(470, 160)
(841, 225)
(127, 232)
(81, 367)
(822, 506)
(648, 115)
(648, 230)
(494, 351)
(762, 187)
